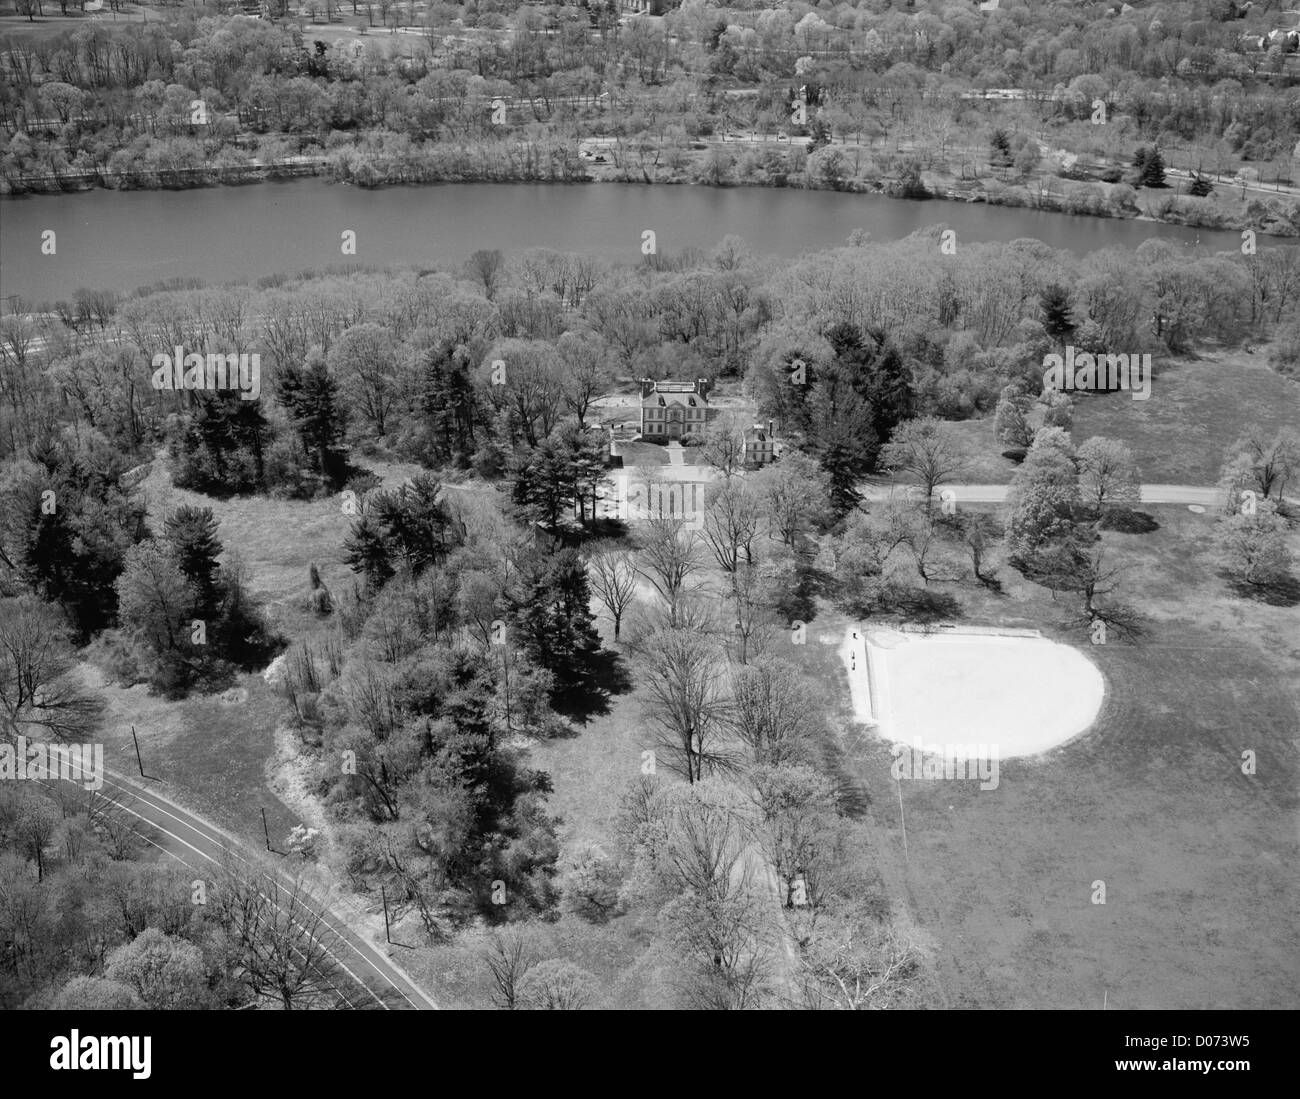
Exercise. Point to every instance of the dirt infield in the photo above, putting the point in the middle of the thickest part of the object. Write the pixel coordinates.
(959, 689)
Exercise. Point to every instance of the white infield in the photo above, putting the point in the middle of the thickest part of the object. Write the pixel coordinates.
(965, 690)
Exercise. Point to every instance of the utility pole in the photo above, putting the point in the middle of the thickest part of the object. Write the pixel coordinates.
(138, 761)
(266, 831)
(383, 895)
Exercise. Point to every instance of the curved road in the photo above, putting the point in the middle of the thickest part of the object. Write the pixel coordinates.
(198, 845)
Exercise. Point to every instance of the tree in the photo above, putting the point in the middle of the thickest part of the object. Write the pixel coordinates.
(800, 827)
(34, 828)
(365, 357)
(724, 445)
(277, 932)
(929, 450)
(1253, 548)
(40, 691)
(775, 711)
(192, 538)
(95, 994)
(311, 396)
(1057, 312)
(509, 956)
(556, 985)
(560, 475)
(856, 963)
(981, 534)
(1000, 148)
(66, 524)
(730, 521)
(1011, 421)
(1108, 476)
(585, 371)
(683, 676)
(1043, 496)
(1271, 462)
(667, 558)
(1150, 166)
(717, 915)
(407, 527)
(795, 493)
(155, 601)
(550, 606)
(166, 972)
(486, 267)
(613, 574)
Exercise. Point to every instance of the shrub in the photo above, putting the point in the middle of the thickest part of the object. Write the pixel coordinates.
(591, 886)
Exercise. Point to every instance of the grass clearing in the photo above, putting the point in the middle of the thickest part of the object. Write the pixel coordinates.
(1201, 908)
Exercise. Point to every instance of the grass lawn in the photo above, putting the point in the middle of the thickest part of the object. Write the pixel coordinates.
(1201, 906)
(1197, 408)
(212, 753)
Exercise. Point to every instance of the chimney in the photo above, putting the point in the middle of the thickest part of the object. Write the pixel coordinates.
(647, 387)
(771, 430)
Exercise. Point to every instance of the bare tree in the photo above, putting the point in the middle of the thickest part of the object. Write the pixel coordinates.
(730, 522)
(774, 711)
(487, 267)
(40, 692)
(724, 445)
(857, 964)
(719, 915)
(585, 358)
(613, 574)
(283, 947)
(669, 556)
(929, 450)
(556, 985)
(795, 495)
(683, 675)
(1107, 473)
(510, 954)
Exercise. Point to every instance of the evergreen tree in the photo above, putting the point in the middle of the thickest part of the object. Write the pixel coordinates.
(448, 403)
(366, 551)
(551, 608)
(1058, 321)
(311, 396)
(192, 535)
(1000, 145)
(221, 446)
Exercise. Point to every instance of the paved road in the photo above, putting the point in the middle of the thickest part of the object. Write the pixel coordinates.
(996, 494)
(200, 845)
(876, 491)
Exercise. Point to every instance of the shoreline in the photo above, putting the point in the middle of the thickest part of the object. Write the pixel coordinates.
(302, 167)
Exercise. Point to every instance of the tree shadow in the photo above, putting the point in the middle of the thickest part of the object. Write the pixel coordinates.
(1128, 521)
(1282, 592)
(580, 702)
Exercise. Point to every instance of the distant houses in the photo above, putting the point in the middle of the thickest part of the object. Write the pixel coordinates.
(671, 410)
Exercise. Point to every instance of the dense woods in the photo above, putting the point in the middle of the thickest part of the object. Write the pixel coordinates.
(482, 92)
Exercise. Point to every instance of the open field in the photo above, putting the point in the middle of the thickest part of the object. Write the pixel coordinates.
(1201, 906)
(1198, 407)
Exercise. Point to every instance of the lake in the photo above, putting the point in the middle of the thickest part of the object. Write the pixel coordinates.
(127, 239)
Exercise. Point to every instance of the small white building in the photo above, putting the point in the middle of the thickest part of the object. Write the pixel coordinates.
(760, 445)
